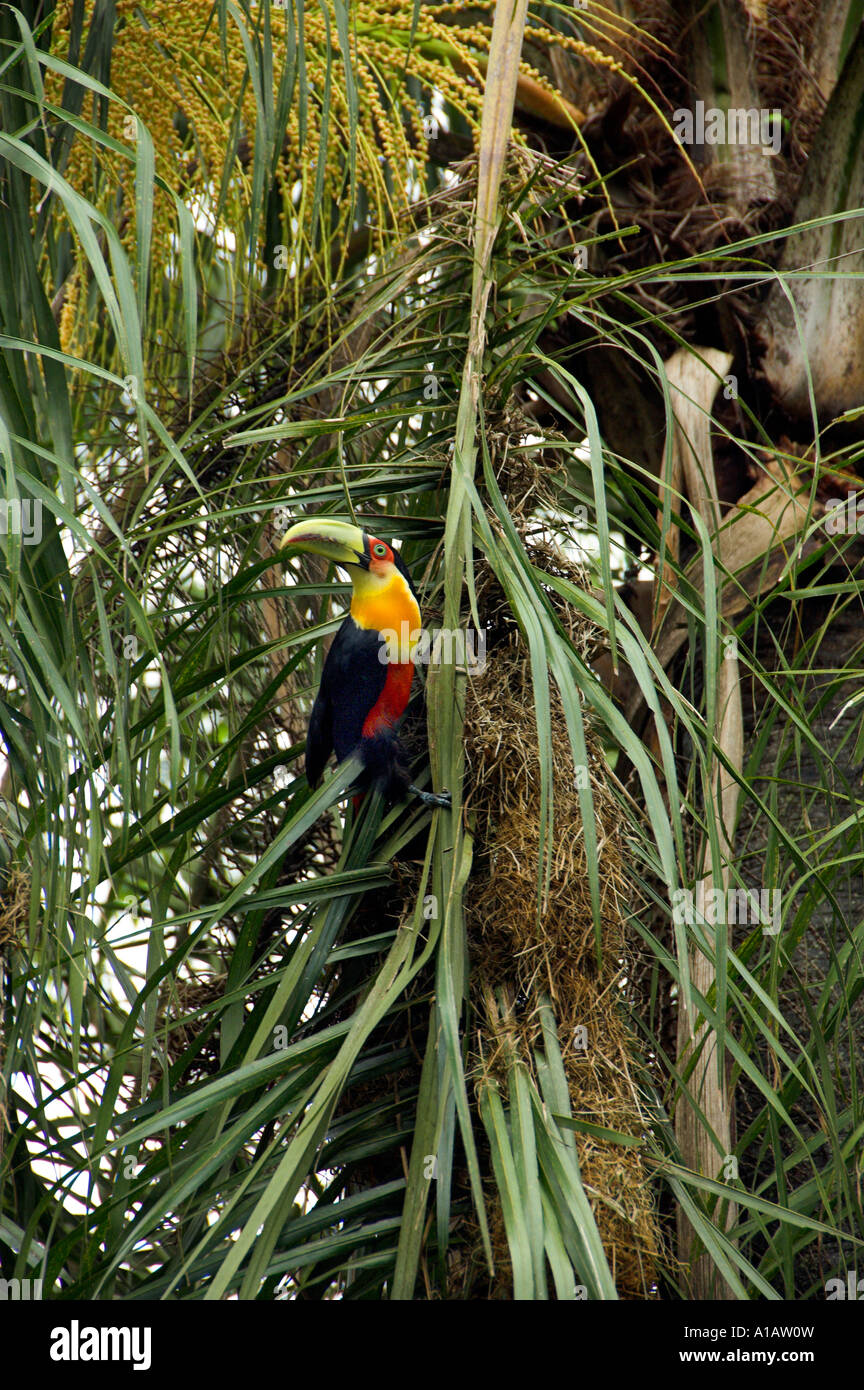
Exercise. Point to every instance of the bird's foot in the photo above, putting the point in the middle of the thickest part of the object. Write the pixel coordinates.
(432, 798)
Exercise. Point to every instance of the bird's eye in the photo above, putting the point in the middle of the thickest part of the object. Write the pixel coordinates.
(380, 549)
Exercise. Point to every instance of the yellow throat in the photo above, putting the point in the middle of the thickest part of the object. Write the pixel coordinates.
(386, 605)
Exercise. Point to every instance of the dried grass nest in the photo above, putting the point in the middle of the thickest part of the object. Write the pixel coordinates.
(14, 909)
(518, 956)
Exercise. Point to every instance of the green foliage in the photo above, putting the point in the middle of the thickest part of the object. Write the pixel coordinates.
(200, 1103)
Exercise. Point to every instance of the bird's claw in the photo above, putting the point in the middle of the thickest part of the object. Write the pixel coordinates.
(443, 799)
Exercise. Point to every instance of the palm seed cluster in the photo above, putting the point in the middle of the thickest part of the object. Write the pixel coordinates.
(186, 79)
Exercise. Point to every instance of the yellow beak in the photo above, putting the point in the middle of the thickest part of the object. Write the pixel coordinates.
(339, 541)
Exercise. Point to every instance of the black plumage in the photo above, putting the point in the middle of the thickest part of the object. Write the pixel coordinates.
(352, 682)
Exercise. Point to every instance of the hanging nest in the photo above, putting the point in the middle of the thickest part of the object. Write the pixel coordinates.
(14, 910)
(524, 953)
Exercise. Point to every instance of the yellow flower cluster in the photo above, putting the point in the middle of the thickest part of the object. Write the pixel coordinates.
(190, 84)
(69, 315)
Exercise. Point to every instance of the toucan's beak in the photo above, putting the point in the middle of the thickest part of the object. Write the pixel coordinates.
(339, 541)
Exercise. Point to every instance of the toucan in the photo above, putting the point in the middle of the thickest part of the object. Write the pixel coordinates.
(367, 676)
